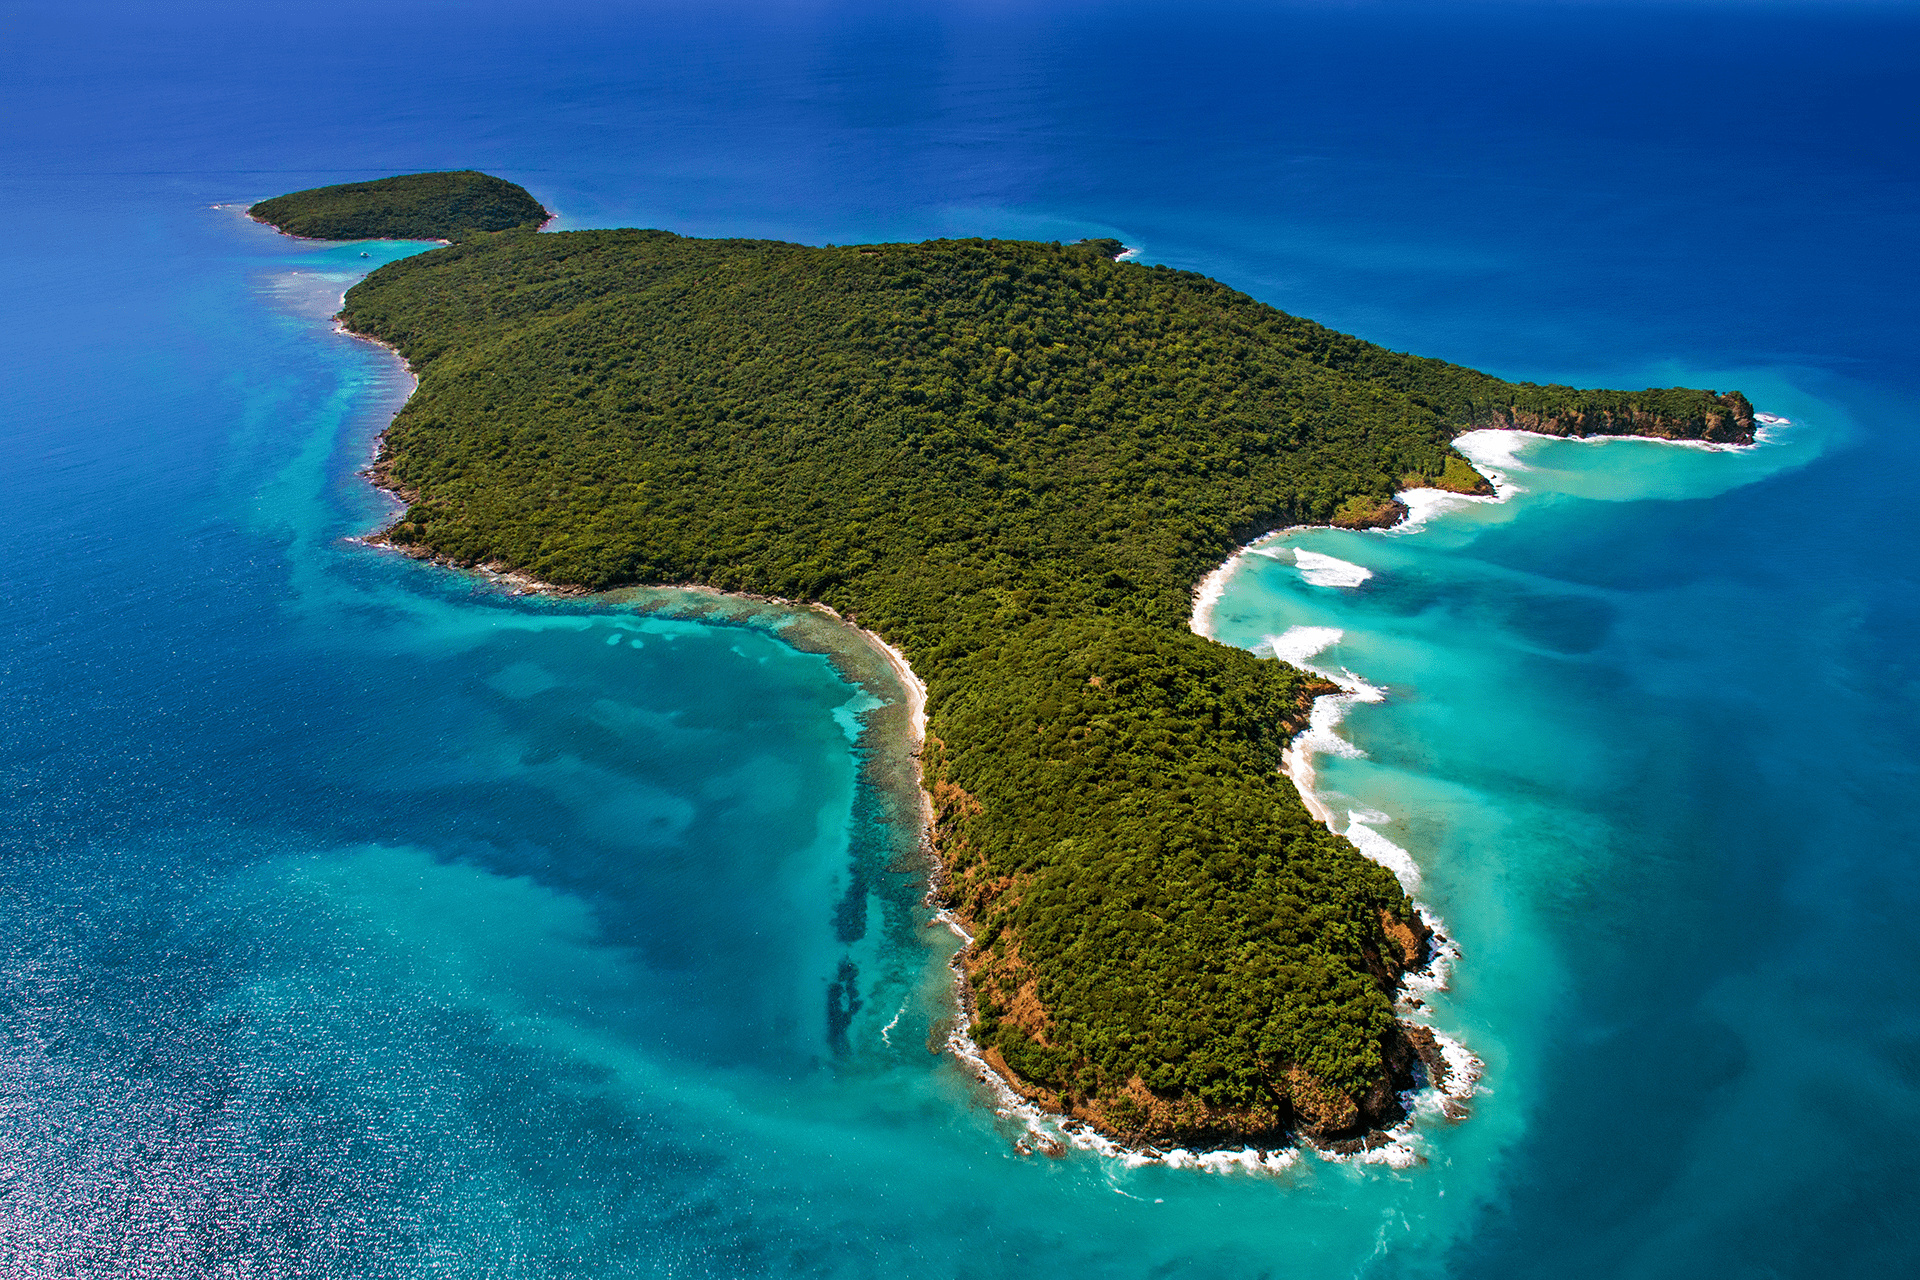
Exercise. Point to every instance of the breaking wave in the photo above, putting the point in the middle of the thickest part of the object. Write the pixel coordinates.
(1382, 850)
(1327, 571)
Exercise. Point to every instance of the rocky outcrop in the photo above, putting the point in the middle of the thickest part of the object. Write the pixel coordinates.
(1717, 419)
(1370, 513)
(1426, 1046)
(1458, 476)
(1300, 1105)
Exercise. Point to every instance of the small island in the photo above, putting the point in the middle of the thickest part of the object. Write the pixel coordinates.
(413, 206)
(1014, 462)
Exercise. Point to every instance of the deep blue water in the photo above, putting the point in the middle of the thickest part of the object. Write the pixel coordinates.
(363, 920)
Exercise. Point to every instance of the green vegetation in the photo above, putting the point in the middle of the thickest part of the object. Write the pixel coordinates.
(1184, 918)
(414, 206)
(1014, 461)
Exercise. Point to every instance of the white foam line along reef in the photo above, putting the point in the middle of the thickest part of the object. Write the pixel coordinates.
(1446, 1098)
(1495, 453)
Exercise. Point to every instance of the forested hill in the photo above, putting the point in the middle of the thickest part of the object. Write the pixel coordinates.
(1014, 461)
(413, 206)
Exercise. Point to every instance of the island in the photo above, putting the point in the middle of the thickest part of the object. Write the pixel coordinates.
(412, 206)
(1013, 461)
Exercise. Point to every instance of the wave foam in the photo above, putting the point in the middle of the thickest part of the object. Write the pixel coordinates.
(1298, 644)
(1496, 449)
(1417, 990)
(1424, 983)
(1425, 504)
(1382, 850)
(1495, 454)
(1049, 1132)
(1404, 1145)
(1326, 571)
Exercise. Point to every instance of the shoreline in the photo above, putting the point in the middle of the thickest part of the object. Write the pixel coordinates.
(912, 688)
(1045, 1131)
(892, 768)
(1423, 504)
(888, 769)
(246, 211)
(1451, 1071)
(1460, 1081)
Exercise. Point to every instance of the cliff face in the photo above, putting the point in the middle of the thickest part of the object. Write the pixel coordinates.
(1723, 419)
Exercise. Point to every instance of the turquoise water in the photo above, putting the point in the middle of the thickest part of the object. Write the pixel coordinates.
(366, 919)
(1518, 751)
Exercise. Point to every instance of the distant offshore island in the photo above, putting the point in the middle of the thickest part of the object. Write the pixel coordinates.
(1014, 462)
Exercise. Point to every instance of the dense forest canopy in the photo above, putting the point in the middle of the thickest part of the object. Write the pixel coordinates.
(413, 206)
(1014, 461)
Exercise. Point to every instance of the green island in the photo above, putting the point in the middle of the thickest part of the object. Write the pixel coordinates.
(1014, 462)
(413, 206)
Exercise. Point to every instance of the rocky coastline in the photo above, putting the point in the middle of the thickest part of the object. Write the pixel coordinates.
(1729, 421)
(1301, 1108)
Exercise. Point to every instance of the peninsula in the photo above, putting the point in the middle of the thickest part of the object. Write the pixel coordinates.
(1013, 461)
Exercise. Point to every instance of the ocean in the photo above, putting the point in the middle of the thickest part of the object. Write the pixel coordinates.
(364, 918)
